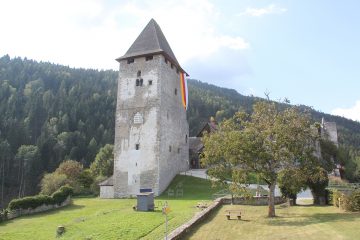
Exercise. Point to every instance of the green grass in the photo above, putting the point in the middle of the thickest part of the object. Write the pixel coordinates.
(94, 218)
(299, 222)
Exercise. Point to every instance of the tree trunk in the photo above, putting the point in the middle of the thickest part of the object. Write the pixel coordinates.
(319, 198)
(272, 199)
(292, 199)
(2, 184)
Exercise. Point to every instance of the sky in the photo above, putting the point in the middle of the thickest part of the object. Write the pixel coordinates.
(304, 50)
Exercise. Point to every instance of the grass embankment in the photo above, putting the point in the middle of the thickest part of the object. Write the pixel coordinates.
(298, 222)
(94, 218)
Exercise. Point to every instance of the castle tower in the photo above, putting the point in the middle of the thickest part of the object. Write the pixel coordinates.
(151, 129)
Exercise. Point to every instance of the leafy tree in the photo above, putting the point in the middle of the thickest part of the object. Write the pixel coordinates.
(72, 170)
(264, 142)
(104, 162)
(291, 182)
(51, 182)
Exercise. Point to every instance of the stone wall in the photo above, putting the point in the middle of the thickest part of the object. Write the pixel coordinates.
(181, 231)
(42, 208)
(137, 122)
(174, 131)
(256, 201)
(151, 117)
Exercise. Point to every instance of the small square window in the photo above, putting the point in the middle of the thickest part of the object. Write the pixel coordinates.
(150, 82)
(130, 60)
(137, 146)
(148, 58)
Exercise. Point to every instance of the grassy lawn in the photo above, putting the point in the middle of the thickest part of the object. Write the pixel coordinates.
(300, 222)
(94, 218)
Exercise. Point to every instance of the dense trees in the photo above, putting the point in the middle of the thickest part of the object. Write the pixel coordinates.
(104, 162)
(62, 112)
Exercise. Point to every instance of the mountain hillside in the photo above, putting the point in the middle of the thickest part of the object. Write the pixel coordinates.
(51, 112)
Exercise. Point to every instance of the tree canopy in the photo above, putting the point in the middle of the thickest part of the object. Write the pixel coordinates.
(264, 142)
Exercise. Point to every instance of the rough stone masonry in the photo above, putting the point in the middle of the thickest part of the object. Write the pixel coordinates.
(151, 129)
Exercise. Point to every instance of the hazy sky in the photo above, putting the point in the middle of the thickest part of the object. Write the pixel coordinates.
(305, 50)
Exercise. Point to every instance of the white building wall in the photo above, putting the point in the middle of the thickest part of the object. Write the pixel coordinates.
(106, 191)
(153, 117)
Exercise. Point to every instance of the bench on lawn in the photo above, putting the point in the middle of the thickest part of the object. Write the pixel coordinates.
(230, 213)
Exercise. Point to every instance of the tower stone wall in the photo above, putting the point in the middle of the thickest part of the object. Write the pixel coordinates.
(151, 129)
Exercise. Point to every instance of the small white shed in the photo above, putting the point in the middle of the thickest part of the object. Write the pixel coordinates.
(107, 188)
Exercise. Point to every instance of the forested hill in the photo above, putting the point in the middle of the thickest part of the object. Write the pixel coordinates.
(60, 113)
(210, 100)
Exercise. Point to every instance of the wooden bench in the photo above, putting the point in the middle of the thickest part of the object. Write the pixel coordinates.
(230, 213)
(201, 205)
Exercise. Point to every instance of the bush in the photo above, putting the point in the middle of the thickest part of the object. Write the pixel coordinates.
(337, 198)
(352, 201)
(3, 215)
(60, 195)
(51, 182)
(35, 201)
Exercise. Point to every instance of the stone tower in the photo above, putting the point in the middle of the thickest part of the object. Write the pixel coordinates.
(151, 129)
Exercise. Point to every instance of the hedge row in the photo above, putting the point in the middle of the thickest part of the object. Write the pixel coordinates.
(3, 215)
(347, 201)
(57, 197)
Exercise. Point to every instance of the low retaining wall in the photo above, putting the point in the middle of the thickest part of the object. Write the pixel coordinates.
(183, 229)
(179, 232)
(256, 201)
(42, 208)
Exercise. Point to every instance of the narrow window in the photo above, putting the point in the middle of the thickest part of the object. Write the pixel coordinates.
(137, 82)
(178, 150)
(138, 118)
(186, 138)
(150, 82)
(139, 73)
(137, 146)
(130, 60)
(166, 60)
(169, 148)
(148, 58)
(175, 91)
(141, 82)
(177, 71)
(172, 65)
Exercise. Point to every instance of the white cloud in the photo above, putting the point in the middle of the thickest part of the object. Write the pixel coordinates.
(92, 33)
(352, 112)
(258, 12)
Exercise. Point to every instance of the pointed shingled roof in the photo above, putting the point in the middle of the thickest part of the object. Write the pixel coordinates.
(150, 41)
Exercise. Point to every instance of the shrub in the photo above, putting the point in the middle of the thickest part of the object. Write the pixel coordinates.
(334, 196)
(352, 201)
(35, 201)
(3, 215)
(51, 182)
(60, 195)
